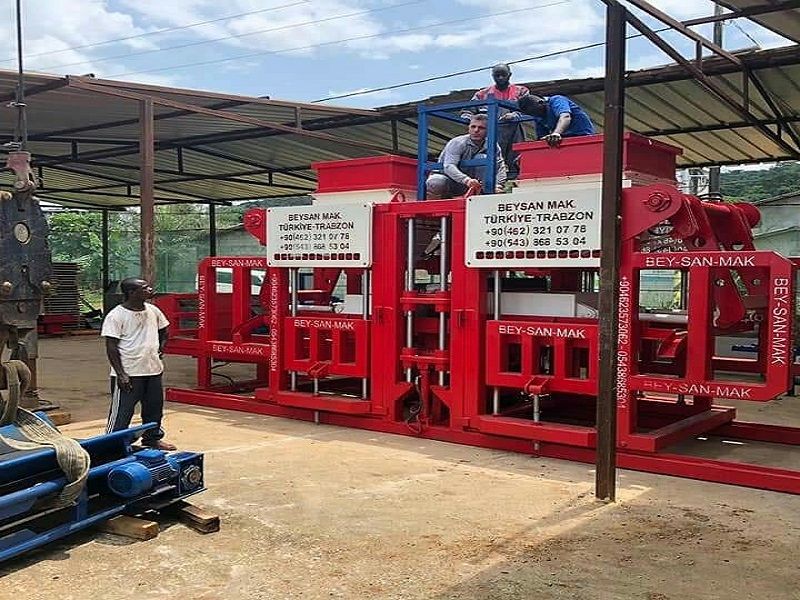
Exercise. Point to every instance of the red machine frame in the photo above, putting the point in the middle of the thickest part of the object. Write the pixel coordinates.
(437, 364)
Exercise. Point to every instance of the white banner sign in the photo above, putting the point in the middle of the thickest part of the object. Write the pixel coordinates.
(543, 226)
(325, 235)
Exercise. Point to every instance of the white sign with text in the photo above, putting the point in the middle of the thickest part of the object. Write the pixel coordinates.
(326, 235)
(544, 226)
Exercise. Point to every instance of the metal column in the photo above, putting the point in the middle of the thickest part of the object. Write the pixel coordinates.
(147, 247)
(212, 229)
(714, 172)
(606, 472)
(21, 132)
(104, 256)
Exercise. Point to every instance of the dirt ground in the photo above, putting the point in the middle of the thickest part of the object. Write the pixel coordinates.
(317, 512)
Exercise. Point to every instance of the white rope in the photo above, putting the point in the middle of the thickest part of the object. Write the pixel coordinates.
(72, 458)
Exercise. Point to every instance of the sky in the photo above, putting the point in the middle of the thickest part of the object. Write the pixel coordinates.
(311, 50)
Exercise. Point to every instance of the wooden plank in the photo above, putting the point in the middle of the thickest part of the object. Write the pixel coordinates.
(59, 417)
(197, 518)
(131, 527)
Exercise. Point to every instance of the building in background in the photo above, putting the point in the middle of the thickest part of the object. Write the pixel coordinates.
(779, 229)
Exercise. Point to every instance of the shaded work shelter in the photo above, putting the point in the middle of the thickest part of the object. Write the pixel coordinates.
(106, 145)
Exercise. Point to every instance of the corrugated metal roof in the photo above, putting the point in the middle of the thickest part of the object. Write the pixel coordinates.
(84, 136)
(668, 104)
(84, 132)
(785, 22)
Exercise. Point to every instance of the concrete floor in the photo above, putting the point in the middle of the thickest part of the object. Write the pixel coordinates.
(322, 512)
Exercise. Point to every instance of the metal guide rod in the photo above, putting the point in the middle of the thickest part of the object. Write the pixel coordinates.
(293, 290)
(410, 288)
(443, 252)
(293, 311)
(496, 316)
(365, 298)
(537, 415)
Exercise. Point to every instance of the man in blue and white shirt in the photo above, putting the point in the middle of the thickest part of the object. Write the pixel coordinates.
(455, 180)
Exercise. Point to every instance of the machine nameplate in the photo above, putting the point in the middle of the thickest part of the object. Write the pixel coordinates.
(325, 235)
(543, 226)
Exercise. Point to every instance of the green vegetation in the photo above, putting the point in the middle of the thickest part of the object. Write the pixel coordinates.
(181, 240)
(76, 237)
(781, 179)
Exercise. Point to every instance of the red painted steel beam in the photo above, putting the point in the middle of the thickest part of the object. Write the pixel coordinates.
(676, 465)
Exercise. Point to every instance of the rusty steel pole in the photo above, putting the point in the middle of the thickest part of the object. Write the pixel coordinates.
(147, 247)
(104, 278)
(714, 172)
(606, 465)
(22, 125)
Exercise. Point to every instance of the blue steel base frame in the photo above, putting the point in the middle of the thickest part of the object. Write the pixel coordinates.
(122, 479)
(452, 112)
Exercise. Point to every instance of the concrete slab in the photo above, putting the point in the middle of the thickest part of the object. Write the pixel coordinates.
(318, 512)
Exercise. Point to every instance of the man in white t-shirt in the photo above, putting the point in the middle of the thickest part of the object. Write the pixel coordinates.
(135, 333)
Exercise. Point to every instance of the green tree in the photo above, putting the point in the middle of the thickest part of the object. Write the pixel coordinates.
(75, 237)
(783, 178)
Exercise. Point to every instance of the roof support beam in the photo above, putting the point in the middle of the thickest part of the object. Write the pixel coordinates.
(263, 100)
(750, 11)
(779, 116)
(678, 26)
(99, 193)
(235, 177)
(120, 180)
(712, 87)
(33, 91)
(198, 178)
(77, 203)
(122, 123)
(268, 125)
(718, 127)
(251, 163)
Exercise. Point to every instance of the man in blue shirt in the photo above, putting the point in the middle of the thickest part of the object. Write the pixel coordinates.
(556, 117)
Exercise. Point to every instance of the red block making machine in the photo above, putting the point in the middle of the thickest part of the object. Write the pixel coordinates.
(474, 320)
